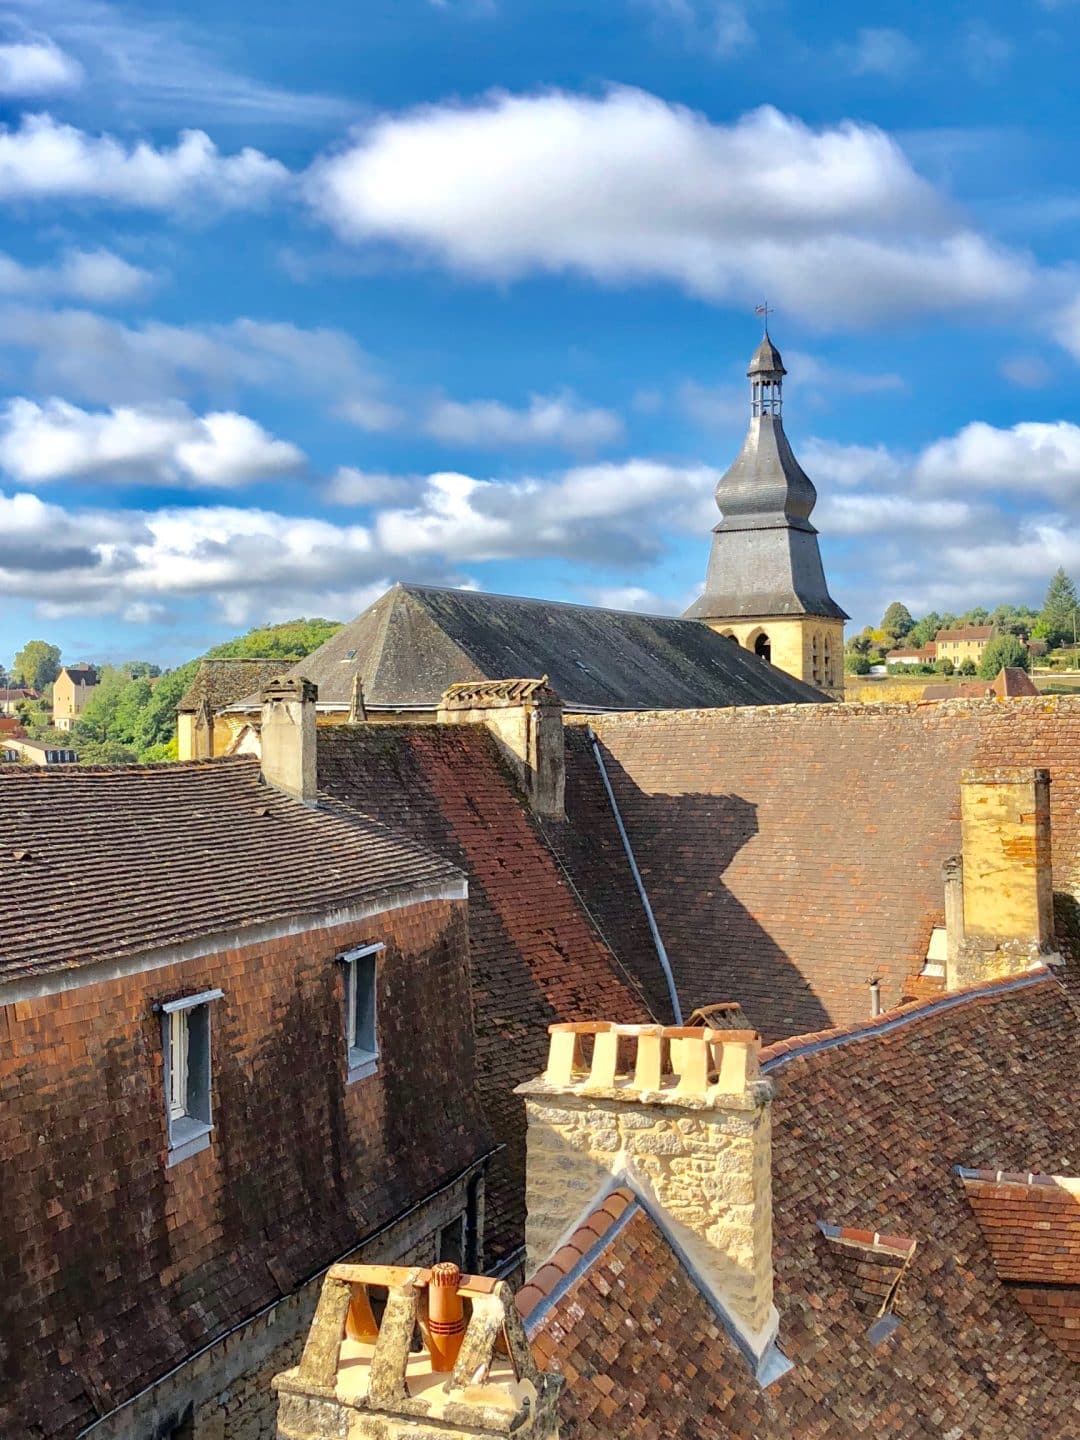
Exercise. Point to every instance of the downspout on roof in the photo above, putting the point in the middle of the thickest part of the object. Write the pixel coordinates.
(654, 929)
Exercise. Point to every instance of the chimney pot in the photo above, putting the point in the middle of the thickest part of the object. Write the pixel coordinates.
(446, 1317)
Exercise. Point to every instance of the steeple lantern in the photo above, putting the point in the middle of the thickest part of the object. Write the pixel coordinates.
(766, 375)
(765, 587)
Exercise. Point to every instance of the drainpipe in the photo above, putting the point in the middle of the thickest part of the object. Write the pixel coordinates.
(661, 953)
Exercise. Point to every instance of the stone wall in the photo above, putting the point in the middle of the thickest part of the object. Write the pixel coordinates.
(122, 1268)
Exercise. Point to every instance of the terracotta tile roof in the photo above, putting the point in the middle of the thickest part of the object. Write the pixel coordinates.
(787, 851)
(866, 1133)
(1031, 1224)
(11, 694)
(221, 682)
(965, 632)
(536, 956)
(159, 854)
(1011, 680)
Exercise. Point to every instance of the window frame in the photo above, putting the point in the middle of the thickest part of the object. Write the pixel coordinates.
(189, 1128)
(361, 1060)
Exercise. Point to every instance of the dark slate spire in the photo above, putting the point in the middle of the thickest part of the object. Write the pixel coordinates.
(765, 559)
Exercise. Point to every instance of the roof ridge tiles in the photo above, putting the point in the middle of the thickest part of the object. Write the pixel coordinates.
(817, 1041)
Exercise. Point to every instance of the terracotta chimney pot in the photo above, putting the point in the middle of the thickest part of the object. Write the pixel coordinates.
(446, 1317)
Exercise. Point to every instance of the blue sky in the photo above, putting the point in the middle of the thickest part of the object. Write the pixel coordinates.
(298, 301)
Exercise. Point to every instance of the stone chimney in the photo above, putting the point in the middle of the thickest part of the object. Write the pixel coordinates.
(287, 736)
(360, 1377)
(681, 1115)
(525, 716)
(1000, 906)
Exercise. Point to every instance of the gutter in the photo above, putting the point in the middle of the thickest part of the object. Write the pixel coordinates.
(273, 1304)
(654, 929)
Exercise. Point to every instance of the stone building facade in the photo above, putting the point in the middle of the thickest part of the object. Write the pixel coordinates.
(72, 688)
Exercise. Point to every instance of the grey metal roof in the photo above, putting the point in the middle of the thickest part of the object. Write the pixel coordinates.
(766, 359)
(416, 640)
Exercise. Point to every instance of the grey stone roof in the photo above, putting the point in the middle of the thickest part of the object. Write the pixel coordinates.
(222, 681)
(174, 851)
(417, 640)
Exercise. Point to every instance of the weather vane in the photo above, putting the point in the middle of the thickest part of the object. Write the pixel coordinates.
(764, 310)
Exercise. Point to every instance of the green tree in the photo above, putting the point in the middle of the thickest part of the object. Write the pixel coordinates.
(968, 667)
(103, 752)
(1058, 620)
(924, 630)
(37, 664)
(856, 664)
(896, 622)
(1002, 651)
(291, 640)
(944, 666)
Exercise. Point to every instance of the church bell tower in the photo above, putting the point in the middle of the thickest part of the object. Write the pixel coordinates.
(765, 586)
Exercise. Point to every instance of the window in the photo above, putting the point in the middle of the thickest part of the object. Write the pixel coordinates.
(185, 1038)
(361, 1036)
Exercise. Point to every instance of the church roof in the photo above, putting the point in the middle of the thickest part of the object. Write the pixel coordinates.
(417, 640)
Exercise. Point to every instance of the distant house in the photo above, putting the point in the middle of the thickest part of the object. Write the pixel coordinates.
(71, 690)
(913, 655)
(13, 695)
(966, 643)
(1010, 682)
(33, 752)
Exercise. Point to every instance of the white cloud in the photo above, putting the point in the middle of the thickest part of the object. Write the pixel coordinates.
(612, 512)
(721, 27)
(629, 188)
(881, 52)
(986, 51)
(851, 465)
(90, 357)
(559, 420)
(1030, 458)
(34, 68)
(714, 407)
(44, 159)
(349, 486)
(883, 514)
(370, 412)
(43, 443)
(160, 68)
(95, 275)
(837, 380)
(635, 597)
(1028, 371)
